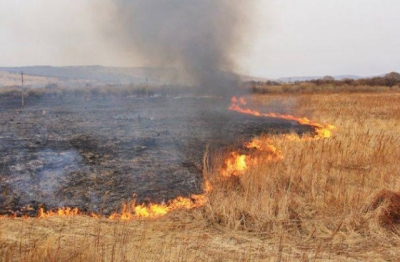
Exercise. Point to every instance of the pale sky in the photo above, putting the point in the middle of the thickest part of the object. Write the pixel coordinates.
(290, 38)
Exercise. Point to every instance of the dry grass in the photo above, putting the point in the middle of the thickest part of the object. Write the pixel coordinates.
(325, 192)
(323, 201)
(312, 88)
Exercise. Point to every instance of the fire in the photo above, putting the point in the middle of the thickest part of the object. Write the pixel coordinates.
(264, 145)
(322, 130)
(62, 212)
(158, 210)
(235, 165)
(138, 211)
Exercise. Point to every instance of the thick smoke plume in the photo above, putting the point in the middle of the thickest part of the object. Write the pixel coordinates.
(200, 38)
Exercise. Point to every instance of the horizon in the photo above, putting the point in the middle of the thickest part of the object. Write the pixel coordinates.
(255, 76)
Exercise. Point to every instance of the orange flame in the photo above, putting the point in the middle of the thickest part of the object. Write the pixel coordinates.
(62, 212)
(322, 130)
(237, 163)
(138, 211)
(158, 210)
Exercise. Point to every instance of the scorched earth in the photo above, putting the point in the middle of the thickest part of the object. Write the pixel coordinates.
(100, 152)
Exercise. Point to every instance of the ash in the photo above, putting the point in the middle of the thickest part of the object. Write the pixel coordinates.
(98, 153)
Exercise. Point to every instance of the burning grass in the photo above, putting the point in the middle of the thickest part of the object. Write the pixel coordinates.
(294, 198)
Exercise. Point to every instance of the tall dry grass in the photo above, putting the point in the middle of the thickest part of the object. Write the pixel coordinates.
(323, 201)
(325, 191)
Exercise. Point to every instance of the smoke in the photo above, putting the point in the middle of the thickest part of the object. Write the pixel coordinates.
(201, 39)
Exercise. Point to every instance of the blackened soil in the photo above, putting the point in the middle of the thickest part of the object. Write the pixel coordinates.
(96, 154)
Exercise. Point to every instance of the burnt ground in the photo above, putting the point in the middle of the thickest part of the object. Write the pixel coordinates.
(97, 154)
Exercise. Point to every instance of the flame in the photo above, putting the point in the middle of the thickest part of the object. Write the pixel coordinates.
(322, 130)
(138, 211)
(264, 145)
(62, 212)
(158, 210)
(235, 165)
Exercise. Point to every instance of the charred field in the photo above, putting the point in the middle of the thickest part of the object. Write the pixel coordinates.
(96, 153)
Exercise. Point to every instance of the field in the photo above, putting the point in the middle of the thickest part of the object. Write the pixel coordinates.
(322, 199)
(96, 153)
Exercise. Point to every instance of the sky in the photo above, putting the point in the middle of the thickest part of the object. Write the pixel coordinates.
(288, 38)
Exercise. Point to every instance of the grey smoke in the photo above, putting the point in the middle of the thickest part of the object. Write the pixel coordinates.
(200, 38)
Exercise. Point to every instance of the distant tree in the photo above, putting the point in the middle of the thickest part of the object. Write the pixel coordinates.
(393, 75)
(392, 79)
(328, 78)
(347, 81)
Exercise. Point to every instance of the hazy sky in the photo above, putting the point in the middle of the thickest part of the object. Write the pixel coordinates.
(290, 38)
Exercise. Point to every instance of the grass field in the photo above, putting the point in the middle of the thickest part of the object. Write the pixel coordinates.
(335, 199)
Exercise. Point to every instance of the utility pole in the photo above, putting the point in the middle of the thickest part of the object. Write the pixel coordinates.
(22, 89)
(147, 87)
